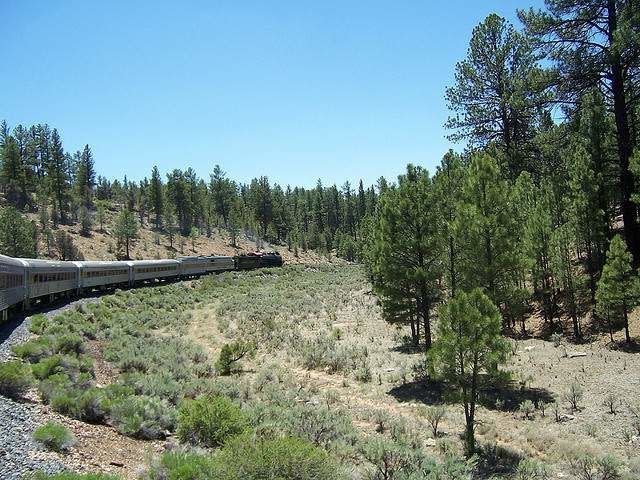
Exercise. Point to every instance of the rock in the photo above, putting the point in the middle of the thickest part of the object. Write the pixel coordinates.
(430, 442)
(529, 348)
(576, 354)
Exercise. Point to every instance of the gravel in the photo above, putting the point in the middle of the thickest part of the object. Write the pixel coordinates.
(19, 453)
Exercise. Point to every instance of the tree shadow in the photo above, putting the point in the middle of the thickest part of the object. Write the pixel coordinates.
(427, 391)
(623, 346)
(494, 459)
(434, 392)
(509, 398)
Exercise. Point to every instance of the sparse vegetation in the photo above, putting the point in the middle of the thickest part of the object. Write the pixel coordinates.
(15, 378)
(434, 415)
(54, 436)
(573, 395)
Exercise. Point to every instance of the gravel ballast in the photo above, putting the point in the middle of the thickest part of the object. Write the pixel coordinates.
(19, 453)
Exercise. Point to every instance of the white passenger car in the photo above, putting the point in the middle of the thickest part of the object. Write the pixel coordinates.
(50, 277)
(154, 269)
(101, 274)
(13, 285)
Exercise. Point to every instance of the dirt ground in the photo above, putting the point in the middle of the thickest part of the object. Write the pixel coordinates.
(541, 370)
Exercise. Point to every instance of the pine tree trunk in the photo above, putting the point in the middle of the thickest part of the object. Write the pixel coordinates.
(629, 213)
(626, 326)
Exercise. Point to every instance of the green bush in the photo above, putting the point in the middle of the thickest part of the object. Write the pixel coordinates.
(248, 458)
(54, 384)
(15, 378)
(532, 469)
(71, 343)
(34, 350)
(182, 466)
(48, 366)
(142, 417)
(90, 405)
(38, 324)
(230, 354)
(209, 421)
(54, 436)
(66, 402)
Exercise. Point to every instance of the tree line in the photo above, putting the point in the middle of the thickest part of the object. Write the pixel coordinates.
(540, 211)
(38, 175)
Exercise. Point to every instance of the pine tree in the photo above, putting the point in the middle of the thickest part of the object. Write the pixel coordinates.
(17, 234)
(261, 202)
(85, 180)
(406, 267)
(583, 209)
(170, 223)
(193, 236)
(447, 183)
(594, 44)
(570, 278)
(619, 287)
(486, 227)
(126, 229)
(468, 351)
(496, 96)
(157, 200)
(12, 173)
(57, 169)
(223, 192)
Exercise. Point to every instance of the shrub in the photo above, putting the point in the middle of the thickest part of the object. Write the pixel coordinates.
(209, 421)
(434, 415)
(245, 457)
(611, 402)
(38, 324)
(15, 378)
(180, 465)
(574, 395)
(34, 350)
(531, 469)
(47, 366)
(391, 459)
(526, 408)
(589, 467)
(363, 373)
(230, 354)
(71, 343)
(66, 402)
(90, 405)
(142, 417)
(54, 384)
(54, 436)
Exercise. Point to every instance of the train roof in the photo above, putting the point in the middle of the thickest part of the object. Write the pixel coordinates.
(102, 263)
(139, 263)
(18, 262)
(56, 264)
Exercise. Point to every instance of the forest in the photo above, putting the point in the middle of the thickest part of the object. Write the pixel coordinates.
(533, 222)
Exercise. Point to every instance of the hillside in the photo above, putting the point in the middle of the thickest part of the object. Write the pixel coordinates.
(101, 244)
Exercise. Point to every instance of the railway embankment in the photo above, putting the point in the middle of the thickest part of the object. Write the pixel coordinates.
(19, 453)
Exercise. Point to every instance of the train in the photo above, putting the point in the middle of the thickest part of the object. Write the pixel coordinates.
(25, 282)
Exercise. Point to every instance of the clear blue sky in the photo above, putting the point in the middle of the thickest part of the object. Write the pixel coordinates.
(296, 90)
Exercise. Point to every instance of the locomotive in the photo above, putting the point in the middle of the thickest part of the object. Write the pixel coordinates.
(25, 281)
